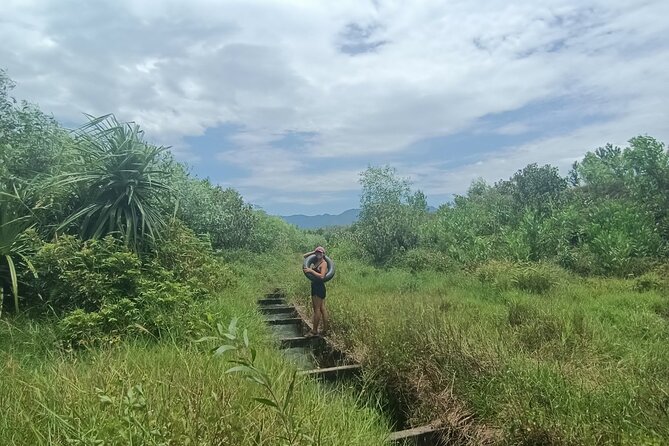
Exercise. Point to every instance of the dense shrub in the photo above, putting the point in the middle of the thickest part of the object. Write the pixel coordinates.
(421, 259)
(649, 281)
(158, 307)
(535, 277)
(209, 209)
(103, 291)
(499, 274)
(273, 234)
(84, 274)
(538, 278)
(192, 261)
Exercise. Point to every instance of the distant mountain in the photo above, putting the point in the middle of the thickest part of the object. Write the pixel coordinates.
(324, 220)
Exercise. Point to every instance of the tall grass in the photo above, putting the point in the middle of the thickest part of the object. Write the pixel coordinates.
(573, 362)
(161, 395)
(172, 391)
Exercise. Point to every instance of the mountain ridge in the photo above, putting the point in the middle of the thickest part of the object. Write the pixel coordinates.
(346, 218)
(302, 221)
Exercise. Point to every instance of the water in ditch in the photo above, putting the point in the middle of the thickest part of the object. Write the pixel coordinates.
(302, 357)
(320, 355)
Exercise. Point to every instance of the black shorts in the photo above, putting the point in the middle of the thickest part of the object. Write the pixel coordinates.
(318, 289)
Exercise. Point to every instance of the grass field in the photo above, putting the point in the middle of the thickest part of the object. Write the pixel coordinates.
(167, 392)
(501, 355)
(577, 361)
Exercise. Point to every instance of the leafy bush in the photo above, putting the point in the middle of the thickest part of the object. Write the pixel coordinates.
(390, 215)
(32, 144)
(209, 209)
(15, 220)
(192, 260)
(648, 282)
(499, 274)
(104, 292)
(160, 306)
(345, 249)
(273, 234)
(535, 278)
(538, 278)
(421, 259)
(85, 274)
(106, 326)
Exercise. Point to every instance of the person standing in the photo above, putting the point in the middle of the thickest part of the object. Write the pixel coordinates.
(318, 270)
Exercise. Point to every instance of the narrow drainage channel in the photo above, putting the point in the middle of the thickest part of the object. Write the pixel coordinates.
(315, 357)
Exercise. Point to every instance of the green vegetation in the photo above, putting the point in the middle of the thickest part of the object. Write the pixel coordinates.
(531, 311)
(115, 263)
(512, 361)
(121, 184)
(14, 222)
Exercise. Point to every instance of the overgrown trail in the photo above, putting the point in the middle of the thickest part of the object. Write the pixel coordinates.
(318, 358)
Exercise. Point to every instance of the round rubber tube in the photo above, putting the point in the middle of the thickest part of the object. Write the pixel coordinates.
(331, 267)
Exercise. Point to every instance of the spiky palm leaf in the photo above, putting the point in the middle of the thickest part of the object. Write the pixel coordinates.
(123, 185)
(15, 218)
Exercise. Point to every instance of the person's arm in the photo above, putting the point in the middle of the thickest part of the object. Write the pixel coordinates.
(322, 270)
(305, 269)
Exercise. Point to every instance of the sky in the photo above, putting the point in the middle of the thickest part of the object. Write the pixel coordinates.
(289, 101)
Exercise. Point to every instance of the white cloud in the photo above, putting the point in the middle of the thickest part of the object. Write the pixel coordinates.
(515, 128)
(271, 67)
(560, 151)
(280, 171)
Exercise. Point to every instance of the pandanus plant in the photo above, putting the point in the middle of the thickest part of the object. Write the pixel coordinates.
(122, 187)
(15, 219)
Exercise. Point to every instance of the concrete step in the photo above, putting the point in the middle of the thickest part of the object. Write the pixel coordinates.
(277, 294)
(286, 321)
(427, 435)
(299, 341)
(272, 301)
(332, 373)
(276, 309)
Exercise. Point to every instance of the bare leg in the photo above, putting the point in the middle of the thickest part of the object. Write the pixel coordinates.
(325, 316)
(316, 305)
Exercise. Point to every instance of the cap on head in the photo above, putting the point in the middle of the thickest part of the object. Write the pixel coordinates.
(320, 249)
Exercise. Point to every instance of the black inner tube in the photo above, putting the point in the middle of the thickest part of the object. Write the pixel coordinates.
(312, 259)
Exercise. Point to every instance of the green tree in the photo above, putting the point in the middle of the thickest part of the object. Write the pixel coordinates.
(34, 148)
(534, 187)
(639, 173)
(469, 230)
(390, 214)
(209, 209)
(647, 161)
(602, 171)
(31, 143)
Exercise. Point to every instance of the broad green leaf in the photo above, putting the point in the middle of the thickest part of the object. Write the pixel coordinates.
(266, 402)
(224, 348)
(15, 281)
(241, 368)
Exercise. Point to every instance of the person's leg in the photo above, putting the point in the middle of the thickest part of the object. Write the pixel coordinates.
(324, 316)
(316, 318)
